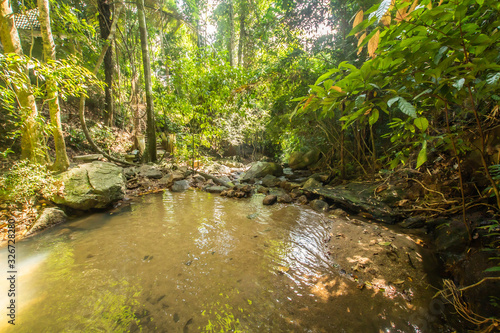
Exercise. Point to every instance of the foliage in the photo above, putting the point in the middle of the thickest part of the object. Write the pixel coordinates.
(24, 181)
(425, 60)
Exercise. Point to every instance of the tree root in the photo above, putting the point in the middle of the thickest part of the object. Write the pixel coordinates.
(453, 295)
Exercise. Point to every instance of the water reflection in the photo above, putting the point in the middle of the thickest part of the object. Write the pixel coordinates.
(198, 262)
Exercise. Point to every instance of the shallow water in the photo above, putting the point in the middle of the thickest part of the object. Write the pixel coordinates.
(190, 262)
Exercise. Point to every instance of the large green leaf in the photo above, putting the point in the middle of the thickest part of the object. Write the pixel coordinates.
(421, 123)
(407, 108)
(373, 117)
(422, 155)
(392, 101)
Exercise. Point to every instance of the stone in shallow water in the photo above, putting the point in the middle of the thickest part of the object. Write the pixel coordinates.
(285, 198)
(214, 189)
(49, 217)
(270, 200)
(180, 186)
(319, 205)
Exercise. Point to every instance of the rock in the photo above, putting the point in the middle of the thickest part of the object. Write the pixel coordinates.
(199, 179)
(262, 189)
(311, 184)
(240, 194)
(130, 172)
(261, 169)
(269, 200)
(215, 189)
(413, 222)
(319, 205)
(300, 160)
(88, 158)
(288, 186)
(225, 179)
(149, 171)
(184, 170)
(302, 200)
(451, 236)
(296, 192)
(91, 185)
(246, 188)
(270, 181)
(168, 180)
(356, 198)
(180, 186)
(338, 213)
(49, 217)
(285, 198)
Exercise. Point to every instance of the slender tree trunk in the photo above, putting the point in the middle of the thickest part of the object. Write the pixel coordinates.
(104, 26)
(242, 40)
(231, 34)
(49, 50)
(31, 147)
(150, 154)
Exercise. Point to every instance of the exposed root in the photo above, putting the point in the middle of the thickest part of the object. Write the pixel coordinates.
(453, 295)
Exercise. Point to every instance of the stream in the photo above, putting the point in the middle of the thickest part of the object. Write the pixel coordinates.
(193, 261)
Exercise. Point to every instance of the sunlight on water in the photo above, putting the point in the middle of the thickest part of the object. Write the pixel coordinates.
(196, 262)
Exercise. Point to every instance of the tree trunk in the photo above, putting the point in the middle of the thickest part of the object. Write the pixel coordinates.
(104, 25)
(150, 154)
(231, 34)
(31, 147)
(241, 43)
(49, 51)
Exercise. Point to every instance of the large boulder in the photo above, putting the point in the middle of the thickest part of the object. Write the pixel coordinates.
(262, 169)
(300, 160)
(91, 185)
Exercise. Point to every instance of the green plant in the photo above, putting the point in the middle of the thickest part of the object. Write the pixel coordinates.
(25, 180)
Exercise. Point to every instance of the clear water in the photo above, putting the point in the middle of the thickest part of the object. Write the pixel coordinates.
(191, 262)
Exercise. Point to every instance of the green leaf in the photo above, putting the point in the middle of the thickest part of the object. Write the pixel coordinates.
(421, 123)
(493, 269)
(392, 101)
(384, 243)
(407, 108)
(373, 117)
(480, 2)
(426, 91)
(422, 155)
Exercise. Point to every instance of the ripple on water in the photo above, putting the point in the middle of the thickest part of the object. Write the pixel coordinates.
(198, 262)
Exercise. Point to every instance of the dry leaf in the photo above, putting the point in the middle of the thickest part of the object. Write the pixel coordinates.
(373, 44)
(358, 19)
(386, 20)
(361, 39)
(336, 88)
(413, 6)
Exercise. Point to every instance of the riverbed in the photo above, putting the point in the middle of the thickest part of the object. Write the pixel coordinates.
(194, 261)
